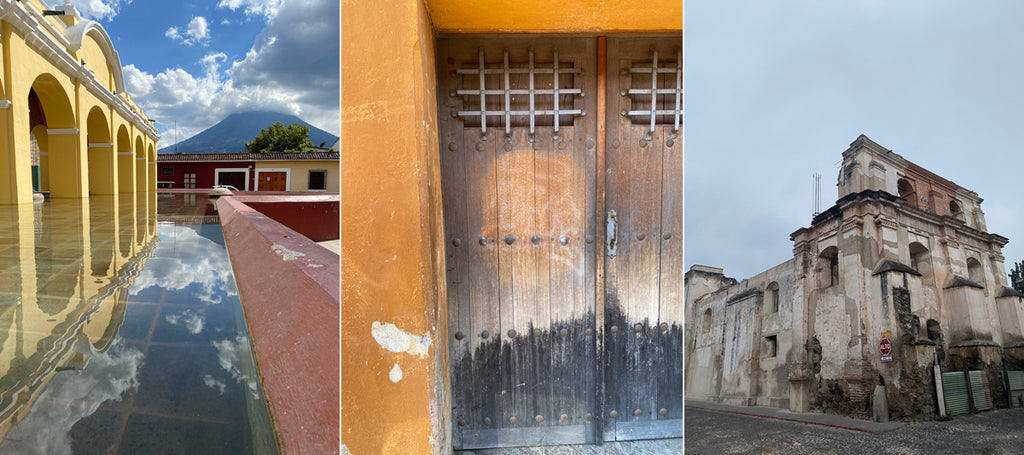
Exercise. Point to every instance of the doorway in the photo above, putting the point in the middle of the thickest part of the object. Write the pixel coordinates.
(562, 189)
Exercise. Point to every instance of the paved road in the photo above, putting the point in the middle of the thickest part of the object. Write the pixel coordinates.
(723, 432)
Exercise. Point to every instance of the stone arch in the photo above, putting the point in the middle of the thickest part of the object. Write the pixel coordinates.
(975, 271)
(828, 264)
(76, 37)
(100, 154)
(141, 182)
(125, 162)
(906, 190)
(772, 297)
(49, 97)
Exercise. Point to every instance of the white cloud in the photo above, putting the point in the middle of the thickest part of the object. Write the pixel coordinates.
(193, 321)
(75, 396)
(214, 383)
(232, 355)
(268, 8)
(197, 32)
(173, 34)
(291, 68)
(172, 269)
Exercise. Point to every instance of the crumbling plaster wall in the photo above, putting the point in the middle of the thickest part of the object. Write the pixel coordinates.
(729, 356)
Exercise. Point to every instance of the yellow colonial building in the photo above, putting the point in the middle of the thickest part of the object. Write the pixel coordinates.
(68, 127)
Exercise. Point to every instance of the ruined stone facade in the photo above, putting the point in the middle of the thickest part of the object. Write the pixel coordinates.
(903, 255)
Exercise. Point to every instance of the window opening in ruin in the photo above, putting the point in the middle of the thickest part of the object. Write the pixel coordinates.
(906, 191)
(975, 272)
(829, 266)
(773, 296)
(934, 331)
(771, 346)
(919, 258)
(955, 211)
(706, 322)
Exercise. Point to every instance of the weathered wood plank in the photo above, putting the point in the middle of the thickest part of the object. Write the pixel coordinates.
(453, 204)
(644, 371)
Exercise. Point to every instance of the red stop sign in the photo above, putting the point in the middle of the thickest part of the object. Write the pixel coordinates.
(884, 346)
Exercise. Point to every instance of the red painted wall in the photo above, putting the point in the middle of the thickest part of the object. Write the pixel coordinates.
(205, 172)
(317, 220)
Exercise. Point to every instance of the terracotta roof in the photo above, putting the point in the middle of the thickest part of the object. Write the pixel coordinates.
(276, 156)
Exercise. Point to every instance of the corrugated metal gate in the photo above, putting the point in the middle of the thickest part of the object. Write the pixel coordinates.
(959, 398)
(1015, 380)
(562, 180)
(980, 391)
(954, 387)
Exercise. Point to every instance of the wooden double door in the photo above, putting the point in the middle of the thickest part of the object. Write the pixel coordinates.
(562, 189)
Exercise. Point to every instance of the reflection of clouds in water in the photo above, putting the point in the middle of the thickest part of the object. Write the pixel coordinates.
(183, 257)
(215, 384)
(231, 354)
(71, 397)
(193, 321)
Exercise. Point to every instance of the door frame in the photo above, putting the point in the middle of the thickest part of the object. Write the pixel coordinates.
(219, 170)
(287, 176)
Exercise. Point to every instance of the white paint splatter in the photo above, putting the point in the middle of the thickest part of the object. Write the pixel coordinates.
(285, 253)
(396, 374)
(394, 339)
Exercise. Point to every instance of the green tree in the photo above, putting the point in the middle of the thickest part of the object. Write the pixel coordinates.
(280, 138)
(1017, 276)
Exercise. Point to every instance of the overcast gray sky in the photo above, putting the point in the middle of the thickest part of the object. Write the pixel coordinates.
(775, 91)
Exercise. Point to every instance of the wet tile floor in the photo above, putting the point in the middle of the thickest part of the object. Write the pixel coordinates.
(121, 332)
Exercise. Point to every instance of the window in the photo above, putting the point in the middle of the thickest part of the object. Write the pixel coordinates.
(706, 323)
(975, 271)
(771, 346)
(167, 171)
(955, 211)
(189, 180)
(318, 180)
(773, 297)
(828, 262)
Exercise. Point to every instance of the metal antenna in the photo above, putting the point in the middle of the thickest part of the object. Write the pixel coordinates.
(816, 191)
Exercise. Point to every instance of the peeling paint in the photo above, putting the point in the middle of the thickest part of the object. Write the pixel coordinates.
(396, 374)
(285, 253)
(394, 339)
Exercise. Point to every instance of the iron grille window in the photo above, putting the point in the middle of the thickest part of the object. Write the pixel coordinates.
(656, 92)
(518, 94)
(318, 180)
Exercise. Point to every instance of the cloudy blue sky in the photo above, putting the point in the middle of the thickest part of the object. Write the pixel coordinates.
(197, 61)
(775, 91)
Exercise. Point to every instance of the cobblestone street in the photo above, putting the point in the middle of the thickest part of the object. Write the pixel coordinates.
(738, 430)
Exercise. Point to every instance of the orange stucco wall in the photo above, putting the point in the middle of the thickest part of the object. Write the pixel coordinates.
(536, 16)
(391, 239)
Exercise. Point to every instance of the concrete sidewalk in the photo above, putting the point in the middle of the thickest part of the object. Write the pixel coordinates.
(810, 418)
